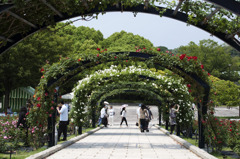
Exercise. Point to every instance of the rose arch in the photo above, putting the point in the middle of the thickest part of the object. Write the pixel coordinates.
(175, 93)
(140, 78)
(184, 118)
(54, 76)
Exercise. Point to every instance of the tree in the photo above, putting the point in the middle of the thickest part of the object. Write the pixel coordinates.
(123, 41)
(78, 34)
(21, 65)
(225, 92)
(215, 58)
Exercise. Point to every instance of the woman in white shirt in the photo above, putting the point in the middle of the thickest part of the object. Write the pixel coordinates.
(123, 114)
(111, 113)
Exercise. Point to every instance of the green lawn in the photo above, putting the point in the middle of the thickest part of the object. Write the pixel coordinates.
(218, 155)
(24, 154)
(229, 117)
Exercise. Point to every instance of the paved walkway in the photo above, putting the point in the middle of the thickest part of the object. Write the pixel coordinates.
(125, 142)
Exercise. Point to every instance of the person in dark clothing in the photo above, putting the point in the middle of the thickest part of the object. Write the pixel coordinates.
(143, 117)
(9, 110)
(149, 118)
(123, 115)
(22, 117)
(22, 121)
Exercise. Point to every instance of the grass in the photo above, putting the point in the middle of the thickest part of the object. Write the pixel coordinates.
(229, 117)
(216, 154)
(191, 141)
(24, 154)
(21, 154)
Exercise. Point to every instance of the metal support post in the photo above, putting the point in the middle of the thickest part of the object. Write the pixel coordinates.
(160, 116)
(52, 122)
(166, 126)
(79, 130)
(93, 117)
(178, 129)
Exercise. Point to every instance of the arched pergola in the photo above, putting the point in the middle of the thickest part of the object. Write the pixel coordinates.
(151, 85)
(57, 78)
(19, 20)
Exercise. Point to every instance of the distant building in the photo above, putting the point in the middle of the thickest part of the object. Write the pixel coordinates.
(18, 97)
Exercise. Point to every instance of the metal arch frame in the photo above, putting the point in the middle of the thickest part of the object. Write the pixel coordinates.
(206, 87)
(127, 85)
(140, 8)
(134, 90)
(131, 54)
(230, 5)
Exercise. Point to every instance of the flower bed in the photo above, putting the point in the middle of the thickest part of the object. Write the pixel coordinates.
(11, 137)
(222, 133)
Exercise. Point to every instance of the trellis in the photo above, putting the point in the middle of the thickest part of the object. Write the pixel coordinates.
(22, 18)
(165, 94)
(72, 68)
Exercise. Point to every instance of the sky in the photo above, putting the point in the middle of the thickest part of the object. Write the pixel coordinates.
(160, 31)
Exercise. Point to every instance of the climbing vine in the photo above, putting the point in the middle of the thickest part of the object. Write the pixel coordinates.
(197, 11)
(95, 82)
(55, 75)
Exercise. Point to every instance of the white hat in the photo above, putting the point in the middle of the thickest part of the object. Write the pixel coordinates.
(124, 105)
(106, 103)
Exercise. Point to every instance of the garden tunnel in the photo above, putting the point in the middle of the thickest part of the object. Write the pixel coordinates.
(148, 93)
(161, 101)
(53, 78)
(164, 94)
(23, 19)
(100, 83)
(19, 20)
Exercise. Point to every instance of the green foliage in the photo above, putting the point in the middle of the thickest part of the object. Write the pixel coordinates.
(120, 41)
(39, 14)
(110, 82)
(216, 58)
(222, 132)
(225, 92)
(10, 136)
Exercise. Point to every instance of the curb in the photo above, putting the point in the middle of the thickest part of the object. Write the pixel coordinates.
(61, 146)
(199, 152)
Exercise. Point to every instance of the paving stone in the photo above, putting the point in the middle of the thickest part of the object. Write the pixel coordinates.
(125, 143)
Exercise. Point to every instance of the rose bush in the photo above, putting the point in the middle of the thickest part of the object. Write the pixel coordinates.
(221, 133)
(10, 136)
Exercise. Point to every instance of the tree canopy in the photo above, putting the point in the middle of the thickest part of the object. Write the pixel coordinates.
(216, 58)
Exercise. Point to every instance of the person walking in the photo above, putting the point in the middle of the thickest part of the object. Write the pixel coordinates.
(138, 116)
(105, 118)
(149, 118)
(143, 117)
(123, 115)
(111, 115)
(172, 116)
(63, 121)
(103, 114)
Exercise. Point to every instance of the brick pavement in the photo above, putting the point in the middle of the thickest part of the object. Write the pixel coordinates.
(125, 142)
